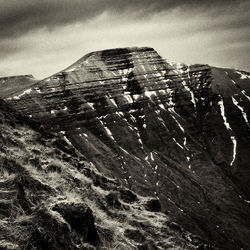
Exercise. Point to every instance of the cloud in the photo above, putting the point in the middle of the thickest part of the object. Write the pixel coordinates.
(18, 17)
(43, 37)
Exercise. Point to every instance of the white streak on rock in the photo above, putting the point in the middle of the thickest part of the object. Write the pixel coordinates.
(245, 94)
(136, 96)
(227, 125)
(234, 149)
(113, 102)
(177, 122)
(71, 69)
(235, 102)
(66, 139)
(17, 97)
(109, 132)
(152, 156)
(124, 150)
(189, 90)
(243, 75)
(222, 109)
(38, 90)
(128, 98)
(177, 143)
(91, 105)
(162, 106)
(150, 93)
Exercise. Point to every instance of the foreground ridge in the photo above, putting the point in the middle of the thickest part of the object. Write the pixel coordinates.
(52, 198)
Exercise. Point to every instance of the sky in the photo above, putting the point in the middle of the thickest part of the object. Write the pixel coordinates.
(42, 37)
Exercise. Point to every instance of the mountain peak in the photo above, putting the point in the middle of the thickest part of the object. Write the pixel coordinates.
(112, 56)
(178, 133)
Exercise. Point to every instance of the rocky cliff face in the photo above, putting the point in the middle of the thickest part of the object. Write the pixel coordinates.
(52, 198)
(177, 132)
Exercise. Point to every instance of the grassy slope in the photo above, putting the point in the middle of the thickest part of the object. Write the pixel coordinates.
(52, 198)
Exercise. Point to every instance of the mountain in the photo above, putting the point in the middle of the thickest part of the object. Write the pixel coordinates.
(53, 198)
(10, 85)
(175, 132)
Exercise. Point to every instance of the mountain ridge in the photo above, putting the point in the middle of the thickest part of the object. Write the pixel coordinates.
(174, 131)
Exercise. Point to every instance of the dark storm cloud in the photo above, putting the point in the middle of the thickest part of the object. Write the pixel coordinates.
(18, 17)
(45, 36)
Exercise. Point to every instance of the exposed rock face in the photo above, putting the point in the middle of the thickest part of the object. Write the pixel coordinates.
(176, 132)
(64, 207)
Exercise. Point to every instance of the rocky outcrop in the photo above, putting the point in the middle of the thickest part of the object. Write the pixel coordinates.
(65, 206)
(177, 132)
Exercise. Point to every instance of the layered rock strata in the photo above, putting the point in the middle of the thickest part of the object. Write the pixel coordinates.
(177, 132)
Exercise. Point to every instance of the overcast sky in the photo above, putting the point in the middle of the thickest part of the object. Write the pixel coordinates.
(41, 37)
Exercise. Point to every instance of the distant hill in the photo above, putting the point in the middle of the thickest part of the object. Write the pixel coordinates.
(13, 85)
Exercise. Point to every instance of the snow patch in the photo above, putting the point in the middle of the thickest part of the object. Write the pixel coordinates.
(136, 96)
(243, 75)
(236, 103)
(124, 150)
(128, 98)
(189, 90)
(38, 90)
(66, 139)
(150, 93)
(222, 109)
(181, 128)
(245, 94)
(70, 69)
(163, 92)
(152, 156)
(113, 102)
(177, 143)
(162, 106)
(17, 97)
(234, 149)
(91, 104)
(109, 132)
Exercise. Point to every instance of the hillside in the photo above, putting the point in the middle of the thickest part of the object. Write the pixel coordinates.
(11, 85)
(175, 132)
(52, 198)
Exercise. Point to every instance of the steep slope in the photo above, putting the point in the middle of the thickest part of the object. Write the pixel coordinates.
(173, 131)
(51, 198)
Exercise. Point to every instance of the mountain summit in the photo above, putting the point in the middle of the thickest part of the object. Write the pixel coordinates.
(178, 133)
